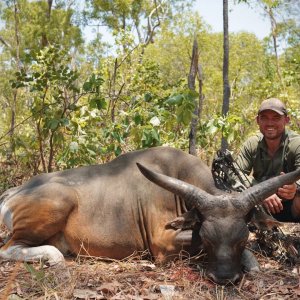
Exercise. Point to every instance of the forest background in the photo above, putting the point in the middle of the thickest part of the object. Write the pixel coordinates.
(67, 102)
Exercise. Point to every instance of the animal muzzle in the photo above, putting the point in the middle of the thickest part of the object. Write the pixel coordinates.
(224, 271)
(224, 278)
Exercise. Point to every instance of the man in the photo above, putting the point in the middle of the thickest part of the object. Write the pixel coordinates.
(275, 150)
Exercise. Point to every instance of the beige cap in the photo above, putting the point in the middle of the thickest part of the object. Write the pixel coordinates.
(273, 104)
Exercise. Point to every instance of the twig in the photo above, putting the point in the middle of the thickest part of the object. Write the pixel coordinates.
(11, 279)
(268, 289)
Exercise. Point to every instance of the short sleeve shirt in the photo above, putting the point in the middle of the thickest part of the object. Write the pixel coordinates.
(254, 157)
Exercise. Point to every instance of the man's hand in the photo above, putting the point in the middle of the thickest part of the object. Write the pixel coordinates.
(288, 191)
(273, 204)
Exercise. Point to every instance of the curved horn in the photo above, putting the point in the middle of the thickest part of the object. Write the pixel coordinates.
(257, 193)
(193, 196)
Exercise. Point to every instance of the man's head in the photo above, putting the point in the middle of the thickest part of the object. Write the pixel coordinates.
(273, 104)
(272, 118)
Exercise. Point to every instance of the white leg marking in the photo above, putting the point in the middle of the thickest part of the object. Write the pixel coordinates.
(8, 193)
(48, 253)
(5, 212)
(5, 215)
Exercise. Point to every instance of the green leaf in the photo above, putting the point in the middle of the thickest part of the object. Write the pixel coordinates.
(186, 117)
(175, 100)
(53, 124)
(64, 122)
(36, 274)
(93, 153)
(87, 86)
(155, 135)
(212, 129)
(148, 97)
(98, 103)
(74, 147)
(118, 151)
(137, 119)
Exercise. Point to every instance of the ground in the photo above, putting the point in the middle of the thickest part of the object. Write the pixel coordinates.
(94, 278)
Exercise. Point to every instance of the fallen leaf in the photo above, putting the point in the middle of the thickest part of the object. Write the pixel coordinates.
(14, 297)
(87, 294)
(147, 266)
(168, 291)
(109, 288)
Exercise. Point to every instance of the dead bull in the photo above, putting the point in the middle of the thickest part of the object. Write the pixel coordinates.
(111, 210)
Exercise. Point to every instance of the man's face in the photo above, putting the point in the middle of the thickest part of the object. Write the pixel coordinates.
(271, 124)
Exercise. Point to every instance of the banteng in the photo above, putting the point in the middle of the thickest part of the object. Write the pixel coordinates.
(112, 210)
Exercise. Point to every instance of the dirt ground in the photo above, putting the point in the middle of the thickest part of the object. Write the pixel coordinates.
(94, 278)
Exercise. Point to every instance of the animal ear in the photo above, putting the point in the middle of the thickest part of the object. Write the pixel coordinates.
(185, 221)
(264, 221)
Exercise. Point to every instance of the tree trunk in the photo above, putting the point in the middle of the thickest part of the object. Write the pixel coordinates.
(191, 85)
(15, 93)
(226, 86)
(274, 38)
(48, 17)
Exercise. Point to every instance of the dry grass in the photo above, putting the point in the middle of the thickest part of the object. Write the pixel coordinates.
(95, 278)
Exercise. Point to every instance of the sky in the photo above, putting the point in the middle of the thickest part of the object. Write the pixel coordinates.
(241, 17)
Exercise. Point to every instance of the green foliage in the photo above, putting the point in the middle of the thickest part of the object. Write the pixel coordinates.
(74, 104)
(35, 29)
(131, 15)
(55, 93)
(185, 103)
(44, 280)
(211, 131)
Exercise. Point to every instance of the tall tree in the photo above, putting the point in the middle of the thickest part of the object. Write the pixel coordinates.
(191, 84)
(39, 23)
(269, 7)
(226, 86)
(194, 74)
(142, 18)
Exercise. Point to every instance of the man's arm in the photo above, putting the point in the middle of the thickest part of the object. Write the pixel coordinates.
(244, 160)
(296, 203)
(295, 145)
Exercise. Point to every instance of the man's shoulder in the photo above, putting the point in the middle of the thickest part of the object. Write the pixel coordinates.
(254, 139)
(294, 139)
(252, 143)
(293, 135)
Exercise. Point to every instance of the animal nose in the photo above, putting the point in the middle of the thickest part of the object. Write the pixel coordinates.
(222, 280)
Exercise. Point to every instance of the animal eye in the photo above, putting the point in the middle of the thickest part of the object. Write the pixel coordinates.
(206, 242)
(243, 243)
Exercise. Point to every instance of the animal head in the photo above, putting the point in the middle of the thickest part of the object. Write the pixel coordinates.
(223, 232)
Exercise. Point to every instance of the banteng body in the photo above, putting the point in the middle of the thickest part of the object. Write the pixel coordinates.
(112, 210)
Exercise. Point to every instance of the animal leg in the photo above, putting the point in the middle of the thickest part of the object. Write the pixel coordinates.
(190, 240)
(184, 238)
(249, 261)
(36, 220)
(47, 253)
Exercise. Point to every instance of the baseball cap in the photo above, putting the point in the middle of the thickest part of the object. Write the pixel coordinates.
(273, 104)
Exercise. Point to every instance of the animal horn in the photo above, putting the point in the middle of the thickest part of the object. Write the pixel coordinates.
(192, 195)
(257, 193)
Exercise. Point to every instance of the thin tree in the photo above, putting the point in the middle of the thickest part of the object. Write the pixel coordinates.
(192, 86)
(226, 86)
(195, 72)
